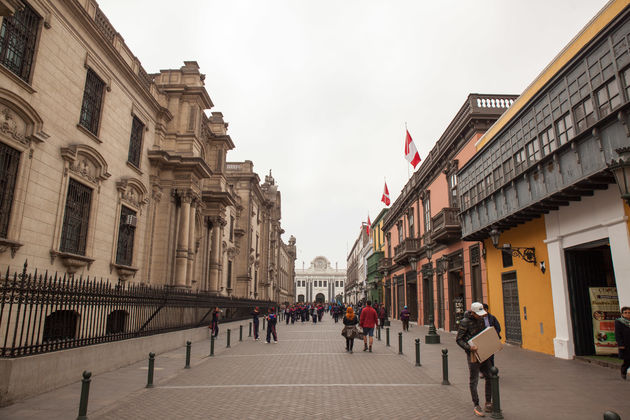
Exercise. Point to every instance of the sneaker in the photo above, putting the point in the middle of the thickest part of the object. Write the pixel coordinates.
(370, 349)
(478, 411)
(365, 347)
(275, 341)
(350, 351)
(624, 375)
(266, 342)
(488, 407)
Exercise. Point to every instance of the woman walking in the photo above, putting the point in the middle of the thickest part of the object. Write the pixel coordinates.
(350, 330)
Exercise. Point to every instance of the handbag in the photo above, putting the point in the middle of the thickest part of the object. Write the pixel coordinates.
(359, 335)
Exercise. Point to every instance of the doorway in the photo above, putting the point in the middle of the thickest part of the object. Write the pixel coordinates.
(440, 300)
(588, 265)
(456, 297)
(511, 308)
(427, 292)
(400, 295)
(320, 298)
(412, 296)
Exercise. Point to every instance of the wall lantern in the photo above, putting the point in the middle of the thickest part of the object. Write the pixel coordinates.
(527, 254)
(621, 171)
(428, 249)
(413, 261)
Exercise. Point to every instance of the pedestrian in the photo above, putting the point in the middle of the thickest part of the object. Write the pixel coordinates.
(404, 317)
(472, 324)
(271, 326)
(214, 326)
(369, 318)
(492, 321)
(255, 314)
(287, 314)
(382, 315)
(350, 330)
(314, 314)
(622, 334)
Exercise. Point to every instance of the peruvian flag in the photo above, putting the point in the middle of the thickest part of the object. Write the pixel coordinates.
(411, 153)
(367, 227)
(385, 198)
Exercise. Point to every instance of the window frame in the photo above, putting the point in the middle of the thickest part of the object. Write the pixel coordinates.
(32, 43)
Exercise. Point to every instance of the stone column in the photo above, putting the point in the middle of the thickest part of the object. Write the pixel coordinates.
(215, 255)
(191, 244)
(181, 253)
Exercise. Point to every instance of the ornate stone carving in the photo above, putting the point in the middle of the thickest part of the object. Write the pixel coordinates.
(13, 126)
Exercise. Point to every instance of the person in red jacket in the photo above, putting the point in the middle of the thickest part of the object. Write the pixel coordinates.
(368, 321)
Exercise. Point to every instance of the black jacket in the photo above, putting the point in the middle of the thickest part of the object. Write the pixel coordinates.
(469, 327)
(622, 335)
(353, 321)
(494, 322)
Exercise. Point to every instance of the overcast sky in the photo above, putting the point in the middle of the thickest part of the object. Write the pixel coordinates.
(319, 91)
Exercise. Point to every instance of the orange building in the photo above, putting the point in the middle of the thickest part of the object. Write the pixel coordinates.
(427, 266)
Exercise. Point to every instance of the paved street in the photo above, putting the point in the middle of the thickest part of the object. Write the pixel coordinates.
(309, 375)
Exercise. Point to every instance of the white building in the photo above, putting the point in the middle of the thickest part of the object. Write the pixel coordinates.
(320, 282)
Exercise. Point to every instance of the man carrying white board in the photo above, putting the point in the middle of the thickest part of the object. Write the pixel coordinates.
(471, 325)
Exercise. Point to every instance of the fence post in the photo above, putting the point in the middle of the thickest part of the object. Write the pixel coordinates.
(400, 343)
(496, 398)
(418, 352)
(378, 333)
(250, 329)
(85, 394)
(211, 345)
(150, 372)
(387, 336)
(188, 343)
(240, 333)
(228, 338)
(445, 367)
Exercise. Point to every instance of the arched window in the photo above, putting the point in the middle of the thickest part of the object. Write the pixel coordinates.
(60, 325)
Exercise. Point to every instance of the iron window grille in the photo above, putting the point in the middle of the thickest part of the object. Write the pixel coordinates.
(76, 218)
(9, 163)
(126, 234)
(135, 142)
(92, 102)
(18, 36)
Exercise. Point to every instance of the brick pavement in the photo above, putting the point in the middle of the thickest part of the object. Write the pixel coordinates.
(308, 375)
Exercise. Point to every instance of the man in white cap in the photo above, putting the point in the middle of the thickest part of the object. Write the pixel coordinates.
(471, 325)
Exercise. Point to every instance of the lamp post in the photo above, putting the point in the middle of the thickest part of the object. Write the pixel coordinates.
(621, 170)
(432, 337)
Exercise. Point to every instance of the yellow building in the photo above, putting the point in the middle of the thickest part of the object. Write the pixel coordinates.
(374, 274)
(541, 194)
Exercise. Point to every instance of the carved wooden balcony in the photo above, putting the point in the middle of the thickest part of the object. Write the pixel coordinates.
(446, 227)
(384, 264)
(410, 247)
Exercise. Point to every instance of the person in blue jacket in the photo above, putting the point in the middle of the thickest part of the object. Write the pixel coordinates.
(272, 320)
(255, 314)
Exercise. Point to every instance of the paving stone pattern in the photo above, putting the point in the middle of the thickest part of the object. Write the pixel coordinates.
(308, 375)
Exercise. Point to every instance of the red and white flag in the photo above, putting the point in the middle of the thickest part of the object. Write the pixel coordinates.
(385, 198)
(411, 153)
(367, 227)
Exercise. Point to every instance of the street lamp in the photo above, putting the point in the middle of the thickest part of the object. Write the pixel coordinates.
(621, 171)
(428, 249)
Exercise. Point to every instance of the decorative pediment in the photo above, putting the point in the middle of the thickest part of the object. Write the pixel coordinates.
(19, 122)
(132, 192)
(86, 162)
(12, 126)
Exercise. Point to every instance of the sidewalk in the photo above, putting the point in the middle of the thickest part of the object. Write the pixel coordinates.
(308, 375)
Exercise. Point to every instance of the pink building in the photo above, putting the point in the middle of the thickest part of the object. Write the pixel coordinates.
(427, 266)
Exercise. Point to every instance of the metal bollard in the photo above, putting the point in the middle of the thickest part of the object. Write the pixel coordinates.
(211, 345)
(387, 336)
(250, 329)
(611, 415)
(264, 320)
(188, 343)
(418, 352)
(228, 338)
(240, 333)
(445, 367)
(496, 398)
(85, 394)
(150, 372)
(400, 343)
(378, 333)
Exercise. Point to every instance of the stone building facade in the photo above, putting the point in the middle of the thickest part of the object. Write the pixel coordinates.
(111, 172)
(320, 282)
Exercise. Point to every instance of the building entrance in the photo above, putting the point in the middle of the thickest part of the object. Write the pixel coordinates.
(427, 293)
(412, 296)
(456, 297)
(320, 298)
(511, 309)
(588, 266)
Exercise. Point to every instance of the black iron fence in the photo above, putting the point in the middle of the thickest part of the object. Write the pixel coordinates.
(42, 312)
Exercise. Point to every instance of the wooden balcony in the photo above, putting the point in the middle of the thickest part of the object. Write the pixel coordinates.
(446, 227)
(384, 264)
(410, 247)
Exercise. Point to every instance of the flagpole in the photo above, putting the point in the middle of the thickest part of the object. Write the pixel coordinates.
(406, 130)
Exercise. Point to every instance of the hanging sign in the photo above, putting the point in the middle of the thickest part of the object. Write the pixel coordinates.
(604, 310)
